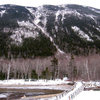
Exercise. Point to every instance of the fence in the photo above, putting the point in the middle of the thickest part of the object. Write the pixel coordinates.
(69, 95)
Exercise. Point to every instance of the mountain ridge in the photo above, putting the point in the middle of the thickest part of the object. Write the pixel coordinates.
(70, 28)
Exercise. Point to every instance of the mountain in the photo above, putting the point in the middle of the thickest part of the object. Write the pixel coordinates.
(42, 31)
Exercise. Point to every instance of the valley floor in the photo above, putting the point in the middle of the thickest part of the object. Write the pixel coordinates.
(57, 84)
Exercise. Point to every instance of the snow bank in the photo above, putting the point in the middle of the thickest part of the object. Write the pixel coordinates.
(88, 95)
(3, 96)
(37, 82)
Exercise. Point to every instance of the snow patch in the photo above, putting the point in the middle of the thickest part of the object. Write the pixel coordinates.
(81, 33)
(1, 6)
(2, 12)
(26, 30)
(57, 14)
(30, 10)
(67, 12)
(6, 30)
(98, 29)
(56, 28)
(37, 20)
(3, 96)
(62, 52)
(26, 24)
(19, 32)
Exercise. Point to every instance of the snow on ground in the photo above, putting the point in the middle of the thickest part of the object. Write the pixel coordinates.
(27, 29)
(81, 33)
(57, 84)
(3, 96)
(45, 84)
(26, 24)
(88, 95)
(67, 12)
(48, 87)
(2, 12)
(19, 32)
(37, 82)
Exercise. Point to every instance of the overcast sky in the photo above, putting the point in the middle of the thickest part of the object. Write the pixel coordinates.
(35, 3)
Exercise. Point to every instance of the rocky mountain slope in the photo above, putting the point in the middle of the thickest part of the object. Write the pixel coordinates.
(41, 31)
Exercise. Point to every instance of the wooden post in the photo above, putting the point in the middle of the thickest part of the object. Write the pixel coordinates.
(69, 98)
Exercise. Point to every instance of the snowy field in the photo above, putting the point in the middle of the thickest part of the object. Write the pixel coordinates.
(88, 95)
(57, 84)
(29, 82)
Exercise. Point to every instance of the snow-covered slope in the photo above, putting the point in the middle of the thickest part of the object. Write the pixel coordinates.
(67, 26)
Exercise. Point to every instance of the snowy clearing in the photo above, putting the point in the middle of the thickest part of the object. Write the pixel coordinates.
(57, 84)
(88, 95)
(36, 82)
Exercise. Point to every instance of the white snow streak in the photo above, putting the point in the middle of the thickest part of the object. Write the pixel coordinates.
(47, 34)
(2, 12)
(67, 12)
(81, 33)
(30, 10)
(98, 29)
(26, 24)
